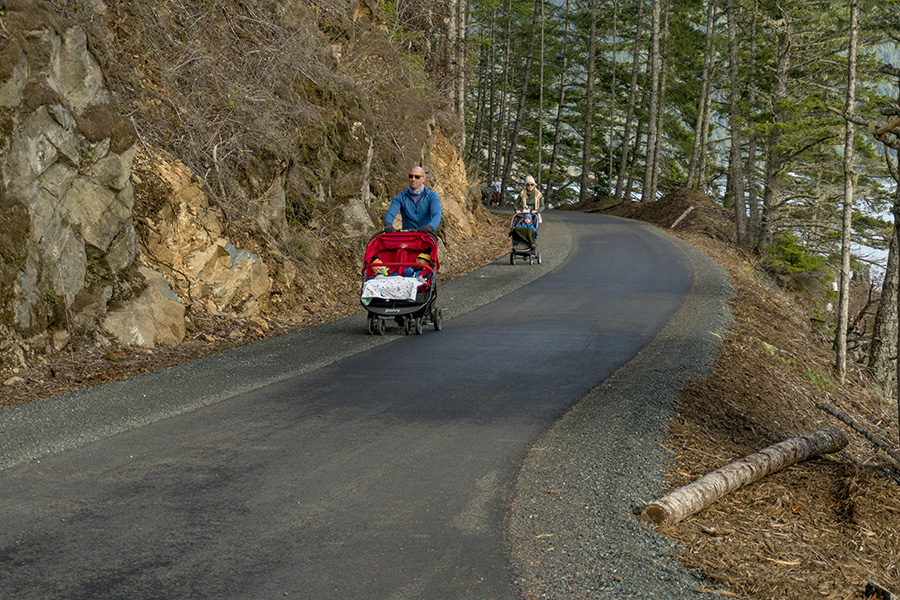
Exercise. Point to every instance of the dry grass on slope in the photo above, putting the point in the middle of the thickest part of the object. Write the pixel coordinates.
(819, 529)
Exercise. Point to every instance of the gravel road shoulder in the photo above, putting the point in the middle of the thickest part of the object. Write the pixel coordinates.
(573, 532)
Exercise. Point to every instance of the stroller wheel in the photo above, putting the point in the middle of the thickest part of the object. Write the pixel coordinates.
(539, 258)
(512, 257)
(370, 325)
(379, 326)
(418, 324)
(407, 325)
(437, 317)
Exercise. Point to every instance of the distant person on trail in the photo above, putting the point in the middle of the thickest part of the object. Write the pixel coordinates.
(419, 207)
(532, 199)
(495, 190)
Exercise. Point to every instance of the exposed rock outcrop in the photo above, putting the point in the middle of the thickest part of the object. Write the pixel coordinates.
(65, 164)
(250, 190)
(185, 237)
(70, 245)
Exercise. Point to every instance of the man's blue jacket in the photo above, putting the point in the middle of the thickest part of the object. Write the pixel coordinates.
(427, 211)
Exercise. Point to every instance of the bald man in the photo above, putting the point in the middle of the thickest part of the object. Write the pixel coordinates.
(419, 207)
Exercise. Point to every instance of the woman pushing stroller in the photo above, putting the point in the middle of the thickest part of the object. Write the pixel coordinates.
(532, 200)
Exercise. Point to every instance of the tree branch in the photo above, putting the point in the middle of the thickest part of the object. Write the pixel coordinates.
(861, 430)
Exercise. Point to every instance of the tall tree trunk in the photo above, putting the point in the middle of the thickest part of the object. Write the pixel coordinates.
(703, 162)
(588, 135)
(661, 112)
(557, 135)
(459, 28)
(897, 339)
(463, 57)
(751, 170)
(775, 156)
(703, 166)
(504, 101)
(849, 135)
(735, 171)
(476, 138)
(493, 94)
(540, 120)
(647, 193)
(632, 101)
(523, 93)
(612, 95)
(885, 340)
(452, 50)
(883, 348)
(635, 157)
(703, 101)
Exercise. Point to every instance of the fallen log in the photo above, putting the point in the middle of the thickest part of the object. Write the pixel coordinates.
(699, 494)
(686, 212)
(877, 441)
(876, 592)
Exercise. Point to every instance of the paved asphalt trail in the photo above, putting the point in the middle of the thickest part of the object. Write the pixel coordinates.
(384, 474)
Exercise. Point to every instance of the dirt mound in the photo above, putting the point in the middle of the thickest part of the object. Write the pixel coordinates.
(683, 209)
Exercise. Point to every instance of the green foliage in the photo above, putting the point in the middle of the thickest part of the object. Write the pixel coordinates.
(775, 353)
(787, 255)
(819, 379)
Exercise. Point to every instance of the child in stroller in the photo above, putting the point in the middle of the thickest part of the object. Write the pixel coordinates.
(524, 234)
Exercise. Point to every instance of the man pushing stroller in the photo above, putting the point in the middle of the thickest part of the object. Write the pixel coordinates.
(419, 207)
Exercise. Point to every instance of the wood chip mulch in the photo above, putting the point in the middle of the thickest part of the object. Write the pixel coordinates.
(823, 528)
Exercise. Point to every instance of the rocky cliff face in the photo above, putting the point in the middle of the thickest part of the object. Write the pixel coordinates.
(69, 243)
(161, 165)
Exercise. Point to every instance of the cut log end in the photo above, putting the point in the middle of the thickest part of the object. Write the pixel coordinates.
(655, 513)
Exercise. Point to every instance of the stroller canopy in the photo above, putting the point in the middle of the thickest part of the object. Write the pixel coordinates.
(402, 247)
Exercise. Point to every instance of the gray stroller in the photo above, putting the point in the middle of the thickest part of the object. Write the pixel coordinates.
(524, 239)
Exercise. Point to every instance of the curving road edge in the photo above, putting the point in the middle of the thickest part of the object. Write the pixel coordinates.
(573, 532)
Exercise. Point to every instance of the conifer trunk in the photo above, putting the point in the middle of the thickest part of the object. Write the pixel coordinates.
(700, 129)
(883, 348)
(514, 129)
(587, 133)
(632, 102)
(647, 191)
(557, 135)
(661, 108)
(775, 155)
(849, 135)
(493, 97)
(735, 171)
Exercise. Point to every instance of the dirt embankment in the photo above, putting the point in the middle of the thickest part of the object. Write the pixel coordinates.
(819, 529)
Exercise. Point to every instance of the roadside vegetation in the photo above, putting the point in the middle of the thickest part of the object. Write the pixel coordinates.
(775, 123)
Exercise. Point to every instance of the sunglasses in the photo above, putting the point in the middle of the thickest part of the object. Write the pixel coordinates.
(529, 185)
(411, 176)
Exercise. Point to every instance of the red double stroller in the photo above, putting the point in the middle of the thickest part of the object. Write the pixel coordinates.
(399, 282)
